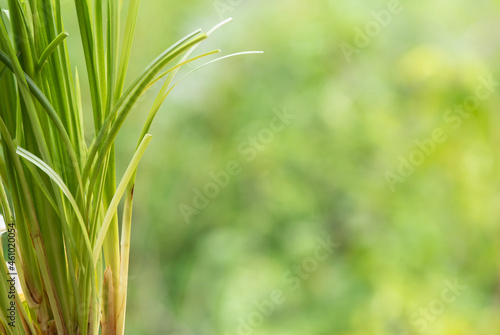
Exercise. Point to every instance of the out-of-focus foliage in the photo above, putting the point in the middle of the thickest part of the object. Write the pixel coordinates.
(323, 175)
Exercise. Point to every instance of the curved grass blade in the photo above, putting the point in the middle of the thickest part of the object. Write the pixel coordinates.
(110, 213)
(124, 109)
(50, 49)
(129, 98)
(181, 64)
(60, 183)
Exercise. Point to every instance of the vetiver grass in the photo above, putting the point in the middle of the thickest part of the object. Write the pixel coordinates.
(59, 195)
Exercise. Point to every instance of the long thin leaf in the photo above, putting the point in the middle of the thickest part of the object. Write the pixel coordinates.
(50, 49)
(129, 172)
(60, 183)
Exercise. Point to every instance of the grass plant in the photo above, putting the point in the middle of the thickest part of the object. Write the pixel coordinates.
(59, 194)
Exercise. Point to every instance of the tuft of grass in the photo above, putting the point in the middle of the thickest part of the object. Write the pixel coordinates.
(66, 239)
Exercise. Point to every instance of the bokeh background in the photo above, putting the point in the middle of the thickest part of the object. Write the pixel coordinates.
(324, 176)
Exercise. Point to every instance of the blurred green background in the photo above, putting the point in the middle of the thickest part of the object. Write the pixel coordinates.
(323, 176)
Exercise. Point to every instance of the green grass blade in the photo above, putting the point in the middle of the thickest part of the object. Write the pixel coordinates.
(111, 211)
(182, 64)
(50, 49)
(60, 183)
(133, 10)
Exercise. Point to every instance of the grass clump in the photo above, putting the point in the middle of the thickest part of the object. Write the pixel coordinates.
(59, 196)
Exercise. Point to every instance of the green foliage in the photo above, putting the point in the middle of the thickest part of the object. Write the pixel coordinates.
(58, 189)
